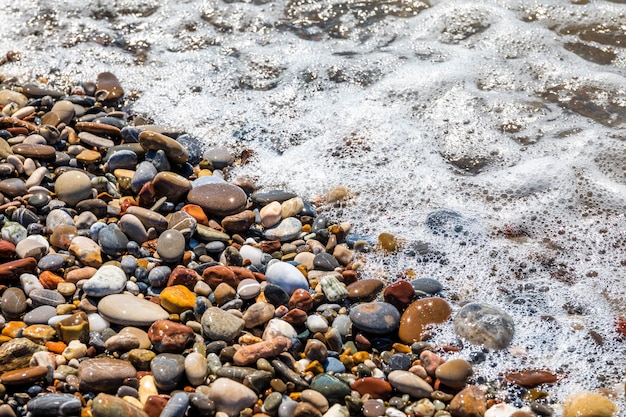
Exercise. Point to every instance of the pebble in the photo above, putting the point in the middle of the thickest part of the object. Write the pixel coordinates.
(13, 302)
(129, 310)
(104, 374)
(409, 383)
(105, 405)
(171, 245)
(248, 355)
(231, 397)
(420, 316)
(218, 199)
(176, 406)
(375, 317)
(454, 373)
(167, 369)
(218, 324)
(196, 368)
(168, 336)
(364, 289)
(109, 279)
(331, 387)
(483, 324)
(286, 276)
(469, 402)
(588, 404)
(287, 229)
(72, 187)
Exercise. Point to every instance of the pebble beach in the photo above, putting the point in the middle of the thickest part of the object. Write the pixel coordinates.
(329, 208)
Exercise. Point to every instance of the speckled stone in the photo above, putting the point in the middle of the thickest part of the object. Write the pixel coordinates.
(483, 324)
(375, 317)
(171, 245)
(218, 324)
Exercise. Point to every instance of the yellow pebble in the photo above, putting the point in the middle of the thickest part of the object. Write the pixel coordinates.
(401, 348)
(315, 367)
(306, 228)
(347, 360)
(361, 357)
(295, 396)
(204, 173)
(302, 268)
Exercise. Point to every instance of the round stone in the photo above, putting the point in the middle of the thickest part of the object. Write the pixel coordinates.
(218, 199)
(196, 368)
(248, 289)
(72, 187)
(364, 289)
(154, 141)
(13, 187)
(167, 369)
(13, 302)
(231, 397)
(145, 172)
(218, 324)
(426, 286)
(219, 157)
(112, 241)
(286, 276)
(588, 404)
(129, 310)
(420, 315)
(454, 373)
(483, 324)
(375, 317)
(171, 245)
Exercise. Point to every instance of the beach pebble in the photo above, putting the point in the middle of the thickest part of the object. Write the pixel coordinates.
(278, 327)
(218, 324)
(470, 402)
(375, 317)
(454, 373)
(409, 383)
(176, 406)
(287, 229)
(248, 289)
(426, 285)
(286, 276)
(167, 369)
(177, 299)
(72, 187)
(331, 387)
(112, 240)
(129, 310)
(483, 324)
(109, 279)
(171, 245)
(364, 289)
(231, 397)
(248, 355)
(175, 152)
(218, 199)
(13, 303)
(588, 404)
(420, 315)
(196, 368)
(54, 405)
(219, 157)
(105, 405)
(86, 251)
(104, 374)
(257, 314)
(169, 336)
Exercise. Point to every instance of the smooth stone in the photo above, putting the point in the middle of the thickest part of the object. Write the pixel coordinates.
(184, 223)
(168, 370)
(184, 276)
(58, 217)
(287, 229)
(176, 406)
(86, 250)
(426, 285)
(35, 151)
(167, 336)
(278, 327)
(43, 296)
(13, 187)
(14, 269)
(159, 275)
(171, 245)
(105, 405)
(112, 241)
(52, 405)
(207, 179)
(175, 152)
(239, 223)
(24, 376)
(40, 315)
(231, 397)
(374, 387)
(454, 373)
(316, 323)
(218, 199)
(122, 159)
(364, 289)
(104, 374)
(72, 187)
(373, 408)
(51, 262)
(248, 289)
(129, 310)
(73, 327)
(588, 404)
(315, 398)
(218, 324)
(37, 177)
(266, 197)
(193, 146)
(109, 279)
(409, 383)
(255, 255)
(375, 317)
(286, 276)
(13, 302)
(65, 110)
(530, 378)
(149, 218)
(108, 87)
(257, 314)
(177, 299)
(470, 402)
(196, 368)
(483, 324)
(144, 172)
(400, 294)
(14, 232)
(331, 387)
(9, 96)
(270, 214)
(132, 227)
(421, 315)
(219, 157)
(325, 262)
(171, 185)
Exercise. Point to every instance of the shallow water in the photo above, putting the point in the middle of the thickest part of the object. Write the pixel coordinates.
(511, 114)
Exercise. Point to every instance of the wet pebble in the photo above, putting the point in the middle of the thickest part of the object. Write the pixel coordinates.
(483, 324)
(375, 317)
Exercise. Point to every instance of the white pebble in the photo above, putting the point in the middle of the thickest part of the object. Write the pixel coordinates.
(30, 282)
(75, 350)
(337, 410)
(97, 323)
(394, 412)
(501, 410)
(55, 319)
(316, 323)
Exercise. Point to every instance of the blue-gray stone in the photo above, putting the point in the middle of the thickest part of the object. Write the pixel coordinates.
(176, 406)
(219, 157)
(167, 369)
(325, 262)
(130, 134)
(330, 387)
(483, 324)
(40, 297)
(54, 405)
(40, 315)
(334, 365)
(451, 224)
(52, 262)
(94, 230)
(266, 197)
(400, 362)
(107, 280)
(426, 285)
(123, 159)
(375, 317)
(129, 264)
(158, 276)
(145, 172)
(159, 160)
(286, 276)
(287, 229)
(112, 240)
(193, 147)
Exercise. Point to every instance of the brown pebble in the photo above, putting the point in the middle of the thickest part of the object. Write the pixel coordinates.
(531, 378)
(470, 402)
(420, 315)
(24, 376)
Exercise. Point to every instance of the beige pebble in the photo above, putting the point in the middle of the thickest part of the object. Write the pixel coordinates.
(588, 404)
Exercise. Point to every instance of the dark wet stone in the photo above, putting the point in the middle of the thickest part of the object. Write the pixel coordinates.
(325, 262)
(193, 146)
(42, 152)
(330, 387)
(24, 216)
(275, 295)
(124, 159)
(266, 197)
(375, 317)
(13, 302)
(426, 285)
(54, 405)
(167, 369)
(13, 187)
(16, 353)
(108, 88)
(400, 361)
(218, 199)
(112, 241)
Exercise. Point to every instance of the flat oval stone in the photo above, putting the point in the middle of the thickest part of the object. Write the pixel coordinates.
(286, 276)
(420, 315)
(40, 315)
(426, 285)
(287, 229)
(409, 383)
(325, 262)
(531, 378)
(375, 387)
(52, 405)
(40, 297)
(330, 387)
(13, 302)
(13, 187)
(13, 269)
(375, 317)
(72, 187)
(105, 405)
(196, 368)
(483, 324)
(35, 151)
(145, 172)
(218, 199)
(175, 152)
(24, 376)
(171, 185)
(176, 406)
(239, 223)
(112, 241)
(51, 262)
(248, 289)
(218, 324)
(171, 245)
(266, 197)
(109, 279)
(129, 310)
(364, 289)
(132, 227)
(454, 373)
(9, 96)
(104, 374)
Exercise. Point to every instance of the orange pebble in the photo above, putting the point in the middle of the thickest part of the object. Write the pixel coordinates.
(197, 213)
(50, 280)
(56, 347)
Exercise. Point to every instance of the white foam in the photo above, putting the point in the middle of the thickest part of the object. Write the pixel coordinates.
(385, 108)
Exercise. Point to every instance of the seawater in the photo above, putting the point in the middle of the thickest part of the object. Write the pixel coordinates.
(508, 116)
